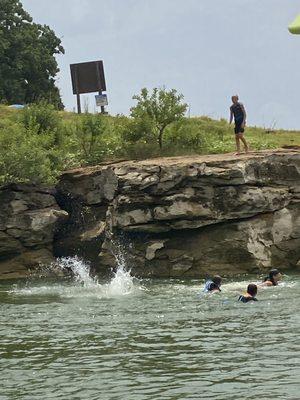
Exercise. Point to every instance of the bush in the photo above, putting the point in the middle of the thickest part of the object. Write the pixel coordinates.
(88, 131)
(41, 117)
(26, 156)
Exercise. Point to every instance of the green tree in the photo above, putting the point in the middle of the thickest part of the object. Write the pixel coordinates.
(158, 110)
(27, 57)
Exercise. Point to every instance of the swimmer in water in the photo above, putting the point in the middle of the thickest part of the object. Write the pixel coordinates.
(250, 295)
(272, 279)
(213, 285)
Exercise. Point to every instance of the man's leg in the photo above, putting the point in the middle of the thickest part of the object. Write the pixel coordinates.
(237, 142)
(241, 136)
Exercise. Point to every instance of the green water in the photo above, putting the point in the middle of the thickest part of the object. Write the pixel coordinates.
(147, 340)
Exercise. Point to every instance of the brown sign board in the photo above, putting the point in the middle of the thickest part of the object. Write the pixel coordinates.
(88, 77)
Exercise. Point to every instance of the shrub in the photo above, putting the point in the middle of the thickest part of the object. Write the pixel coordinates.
(89, 130)
(41, 117)
(26, 156)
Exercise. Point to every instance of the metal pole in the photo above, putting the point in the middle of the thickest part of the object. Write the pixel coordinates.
(77, 93)
(78, 103)
(102, 107)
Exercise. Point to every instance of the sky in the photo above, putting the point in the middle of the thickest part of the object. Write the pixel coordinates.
(206, 49)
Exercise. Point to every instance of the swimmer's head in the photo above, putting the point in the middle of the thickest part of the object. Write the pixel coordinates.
(235, 98)
(217, 280)
(275, 275)
(252, 289)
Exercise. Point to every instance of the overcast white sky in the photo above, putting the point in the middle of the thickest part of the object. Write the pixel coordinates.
(206, 49)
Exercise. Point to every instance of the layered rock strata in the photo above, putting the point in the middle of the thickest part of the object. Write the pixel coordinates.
(186, 216)
(28, 219)
(174, 217)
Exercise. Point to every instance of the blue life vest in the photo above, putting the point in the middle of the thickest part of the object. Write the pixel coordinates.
(210, 286)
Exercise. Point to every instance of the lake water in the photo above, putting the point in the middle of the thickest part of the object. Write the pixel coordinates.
(129, 339)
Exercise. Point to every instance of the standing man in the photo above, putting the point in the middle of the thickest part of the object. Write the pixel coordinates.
(237, 111)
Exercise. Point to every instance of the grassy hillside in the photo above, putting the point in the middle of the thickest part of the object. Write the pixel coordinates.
(37, 143)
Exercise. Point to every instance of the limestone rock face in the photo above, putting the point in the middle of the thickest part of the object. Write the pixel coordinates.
(28, 218)
(189, 216)
(250, 245)
(178, 216)
(85, 194)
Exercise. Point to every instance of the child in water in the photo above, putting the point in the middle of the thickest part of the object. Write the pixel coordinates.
(250, 295)
(272, 279)
(213, 285)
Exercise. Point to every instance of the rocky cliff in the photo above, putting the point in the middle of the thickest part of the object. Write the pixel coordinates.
(181, 216)
(28, 217)
(187, 216)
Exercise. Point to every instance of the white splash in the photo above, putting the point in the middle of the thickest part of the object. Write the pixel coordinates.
(83, 285)
(80, 270)
(121, 284)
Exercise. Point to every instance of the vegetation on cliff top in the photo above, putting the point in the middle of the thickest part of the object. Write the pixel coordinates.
(38, 143)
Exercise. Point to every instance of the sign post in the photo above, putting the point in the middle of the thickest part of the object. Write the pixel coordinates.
(101, 106)
(101, 101)
(78, 103)
(88, 77)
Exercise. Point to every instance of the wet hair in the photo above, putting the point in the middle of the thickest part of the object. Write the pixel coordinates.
(213, 286)
(217, 280)
(252, 289)
(271, 275)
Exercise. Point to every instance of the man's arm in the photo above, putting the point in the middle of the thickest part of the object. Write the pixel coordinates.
(245, 115)
(231, 116)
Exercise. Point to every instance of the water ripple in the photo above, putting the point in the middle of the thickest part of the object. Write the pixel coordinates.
(154, 340)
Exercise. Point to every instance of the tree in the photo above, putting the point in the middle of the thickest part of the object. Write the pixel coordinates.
(27, 57)
(158, 110)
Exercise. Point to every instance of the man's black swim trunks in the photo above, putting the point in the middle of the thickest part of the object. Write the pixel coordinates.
(238, 127)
